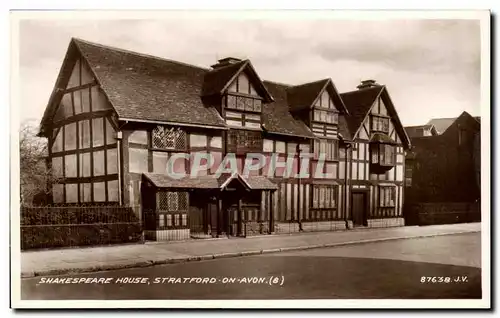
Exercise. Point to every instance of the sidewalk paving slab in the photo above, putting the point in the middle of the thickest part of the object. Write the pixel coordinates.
(92, 259)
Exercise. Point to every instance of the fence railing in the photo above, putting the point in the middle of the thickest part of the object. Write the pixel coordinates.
(71, 225)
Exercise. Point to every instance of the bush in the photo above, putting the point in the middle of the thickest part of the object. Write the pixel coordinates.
(60, 226)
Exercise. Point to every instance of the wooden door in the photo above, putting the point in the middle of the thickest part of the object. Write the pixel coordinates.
(213, 218)
(358, 208)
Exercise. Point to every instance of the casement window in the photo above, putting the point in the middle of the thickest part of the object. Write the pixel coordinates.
(172, 201)
(325, 116)
(387, 196)
(382, 154)
(408, 175)
(380, 124)
(324, 197)
(169, 138)
(244, 103)
(172, 209)
(330, 147)
(244, 141)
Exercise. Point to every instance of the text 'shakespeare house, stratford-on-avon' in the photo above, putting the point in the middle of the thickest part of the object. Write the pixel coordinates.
(116, 118)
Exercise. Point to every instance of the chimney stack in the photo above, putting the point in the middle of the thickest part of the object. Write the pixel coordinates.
(225, 62)
(367, 84)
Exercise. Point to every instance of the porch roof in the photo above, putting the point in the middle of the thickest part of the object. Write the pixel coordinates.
(381, 138)
(209, 182)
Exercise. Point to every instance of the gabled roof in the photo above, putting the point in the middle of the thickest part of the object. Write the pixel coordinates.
(150, 88)
(219, 79)
(277, 117)
(441, 124)
(304, 95)
(414, 131)
(360, 102)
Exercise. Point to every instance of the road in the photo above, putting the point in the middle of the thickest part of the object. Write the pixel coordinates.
(449, 266)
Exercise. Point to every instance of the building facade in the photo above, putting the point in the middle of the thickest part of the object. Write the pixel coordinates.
(446, 167)
(217, 151)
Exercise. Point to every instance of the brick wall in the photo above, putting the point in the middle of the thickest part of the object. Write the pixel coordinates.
(442, 213)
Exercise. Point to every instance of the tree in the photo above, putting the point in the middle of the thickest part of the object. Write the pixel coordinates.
(35, 176)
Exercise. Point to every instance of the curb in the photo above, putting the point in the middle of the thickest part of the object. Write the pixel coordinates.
(140, 264)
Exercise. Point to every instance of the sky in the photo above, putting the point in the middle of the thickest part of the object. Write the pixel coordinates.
(431, 67)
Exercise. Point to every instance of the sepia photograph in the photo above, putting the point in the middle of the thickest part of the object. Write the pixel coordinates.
(250, 159)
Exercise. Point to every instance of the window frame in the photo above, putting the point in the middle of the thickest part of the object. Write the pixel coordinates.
(379, 126)
(328, 146)
(384, 201)
(378, 151)
(331, 115)
(319, 196)
(182, 135)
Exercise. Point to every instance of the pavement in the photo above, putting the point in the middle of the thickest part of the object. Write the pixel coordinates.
(95, 259)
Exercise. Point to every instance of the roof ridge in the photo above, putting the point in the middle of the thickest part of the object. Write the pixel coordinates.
(363, 89)
(313, 82)
(277, 83)
(227, 66)
(114, 48)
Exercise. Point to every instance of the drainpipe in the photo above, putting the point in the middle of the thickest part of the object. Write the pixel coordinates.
(347, 167)
(298, 187)
(118, 152)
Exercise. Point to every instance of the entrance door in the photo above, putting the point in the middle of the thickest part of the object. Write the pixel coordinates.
(358, 208)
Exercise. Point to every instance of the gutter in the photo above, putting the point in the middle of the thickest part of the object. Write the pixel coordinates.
(161, 122)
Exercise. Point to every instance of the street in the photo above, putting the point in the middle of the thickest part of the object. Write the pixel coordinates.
(421, 268)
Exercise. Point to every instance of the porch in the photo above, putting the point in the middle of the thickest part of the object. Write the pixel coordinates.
(206, 206)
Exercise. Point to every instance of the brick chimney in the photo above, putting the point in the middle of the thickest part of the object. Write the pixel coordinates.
(367, 84)
(226, 61)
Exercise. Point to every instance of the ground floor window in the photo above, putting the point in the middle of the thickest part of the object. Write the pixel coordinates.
(172, 210)
(387, 196)
(324, 196)
(172, 201)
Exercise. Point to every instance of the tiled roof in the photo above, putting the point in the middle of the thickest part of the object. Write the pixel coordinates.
(358, 104)
(150, 88)
(144, 87)
(381, 138)
(414, 131)
(277, 117)
(216, 79)
(207, 182)
(441, 124)
(303, 96)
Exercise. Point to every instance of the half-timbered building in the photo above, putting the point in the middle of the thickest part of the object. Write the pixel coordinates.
(131, 129)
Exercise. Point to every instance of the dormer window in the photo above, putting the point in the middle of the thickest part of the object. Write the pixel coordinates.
(242, 85)
(324, 110)
(244, 103)
(380, 124)
(325, 116)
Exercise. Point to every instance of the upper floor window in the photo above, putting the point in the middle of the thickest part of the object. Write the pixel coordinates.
(383, 154)
(169, 138)
(325, 116)
(330, 147)
(244, 103)
(380, 123)
(239, 141)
